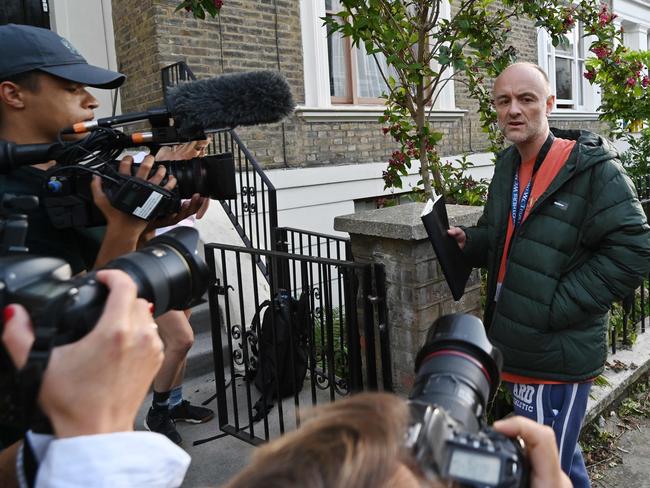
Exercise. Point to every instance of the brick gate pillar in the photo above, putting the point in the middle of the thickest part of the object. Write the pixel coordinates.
(416, 290)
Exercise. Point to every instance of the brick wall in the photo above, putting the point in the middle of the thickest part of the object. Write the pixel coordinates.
(150, 35)
(136, 48)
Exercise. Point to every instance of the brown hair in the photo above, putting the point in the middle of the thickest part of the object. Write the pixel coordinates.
(353, 443)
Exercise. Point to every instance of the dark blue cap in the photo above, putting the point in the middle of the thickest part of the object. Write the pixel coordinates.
(30, 48)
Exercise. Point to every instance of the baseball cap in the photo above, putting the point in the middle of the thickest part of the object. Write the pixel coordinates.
(29, 48)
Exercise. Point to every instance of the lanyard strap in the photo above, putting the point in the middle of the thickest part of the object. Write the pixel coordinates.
(519, 206)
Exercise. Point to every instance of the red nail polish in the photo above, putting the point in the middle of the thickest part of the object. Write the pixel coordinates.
(8, 313)
(151, 308)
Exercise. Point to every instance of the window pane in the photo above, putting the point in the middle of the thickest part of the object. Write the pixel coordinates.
(370, 83)
(332, 5)
(563, 79)
(336, 47)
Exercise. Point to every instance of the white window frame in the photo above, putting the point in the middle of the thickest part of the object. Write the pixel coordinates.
(318, 103)
(546, 59)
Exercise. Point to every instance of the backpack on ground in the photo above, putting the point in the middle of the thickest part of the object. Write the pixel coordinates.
(284, 335)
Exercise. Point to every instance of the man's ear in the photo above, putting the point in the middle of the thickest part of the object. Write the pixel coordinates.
(550, 103)
(12, 95)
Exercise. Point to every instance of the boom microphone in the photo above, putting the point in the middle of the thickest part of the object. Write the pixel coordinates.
(227, 101)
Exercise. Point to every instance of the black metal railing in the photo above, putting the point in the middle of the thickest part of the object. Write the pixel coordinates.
(631, 313)
(254, 213)
(342, 318)
(313, 244)
(308, 243)
(173, 74)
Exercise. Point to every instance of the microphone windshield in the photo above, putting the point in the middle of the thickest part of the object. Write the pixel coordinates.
(228, 101)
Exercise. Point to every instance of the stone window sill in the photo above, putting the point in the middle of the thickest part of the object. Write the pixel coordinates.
(366, 113)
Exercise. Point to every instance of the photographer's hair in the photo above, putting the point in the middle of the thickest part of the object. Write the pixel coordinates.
(30, 81)
(353, 443)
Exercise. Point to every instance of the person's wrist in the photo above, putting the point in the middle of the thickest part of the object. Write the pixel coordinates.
(123, 233)
(66, 425)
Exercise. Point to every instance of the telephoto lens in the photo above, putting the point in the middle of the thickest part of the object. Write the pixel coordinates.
(458, 368)
(211, 176)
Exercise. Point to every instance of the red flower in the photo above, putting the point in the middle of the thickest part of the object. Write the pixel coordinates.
(630, 82)
(385, 130)
(590, 75)
(218, 4)
(600, 52)
(645, 81)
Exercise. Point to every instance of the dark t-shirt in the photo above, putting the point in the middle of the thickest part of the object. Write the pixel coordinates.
(78, 246)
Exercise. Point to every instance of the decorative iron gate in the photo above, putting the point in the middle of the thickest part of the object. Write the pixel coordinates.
(345, 338)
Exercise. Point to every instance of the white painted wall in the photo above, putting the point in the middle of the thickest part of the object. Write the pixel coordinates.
(310, 198)
(88, 25)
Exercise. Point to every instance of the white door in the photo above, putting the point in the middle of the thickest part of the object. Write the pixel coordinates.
(88, 25)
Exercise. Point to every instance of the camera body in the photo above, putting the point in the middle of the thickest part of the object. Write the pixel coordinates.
(167, 272)
(457, 376)
(68, 200)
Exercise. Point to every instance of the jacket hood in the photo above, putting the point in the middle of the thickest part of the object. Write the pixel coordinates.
(593, 149)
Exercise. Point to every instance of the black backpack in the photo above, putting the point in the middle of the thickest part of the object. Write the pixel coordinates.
(292, 320)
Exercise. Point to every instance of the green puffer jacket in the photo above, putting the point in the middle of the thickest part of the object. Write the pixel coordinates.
(584, 244)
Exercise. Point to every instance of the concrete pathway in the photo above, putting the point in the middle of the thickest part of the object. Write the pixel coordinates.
(630, 468)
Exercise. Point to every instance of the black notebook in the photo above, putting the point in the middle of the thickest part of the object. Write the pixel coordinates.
(451, 259)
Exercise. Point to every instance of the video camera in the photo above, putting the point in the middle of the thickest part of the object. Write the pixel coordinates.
(66, 194)
(457, 376)
(168, 272)
(68, 200)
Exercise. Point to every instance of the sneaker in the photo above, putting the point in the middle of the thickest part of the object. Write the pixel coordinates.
(193, 414)
(158, 420)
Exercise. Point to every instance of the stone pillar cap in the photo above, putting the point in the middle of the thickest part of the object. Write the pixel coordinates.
(401, 221)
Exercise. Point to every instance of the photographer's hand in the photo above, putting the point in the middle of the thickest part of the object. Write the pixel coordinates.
(542, 451)
(123, 230)
(197, 205)
(182, 152)
(108, 372)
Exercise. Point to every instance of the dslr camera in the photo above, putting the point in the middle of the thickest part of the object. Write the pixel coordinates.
(168, 272)
(457, 375)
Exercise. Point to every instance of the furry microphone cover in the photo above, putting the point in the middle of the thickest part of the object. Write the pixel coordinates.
(228, 101)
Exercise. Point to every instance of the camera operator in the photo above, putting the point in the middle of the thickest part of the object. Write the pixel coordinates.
(359, 443)
(43, 82)
(108, 372)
